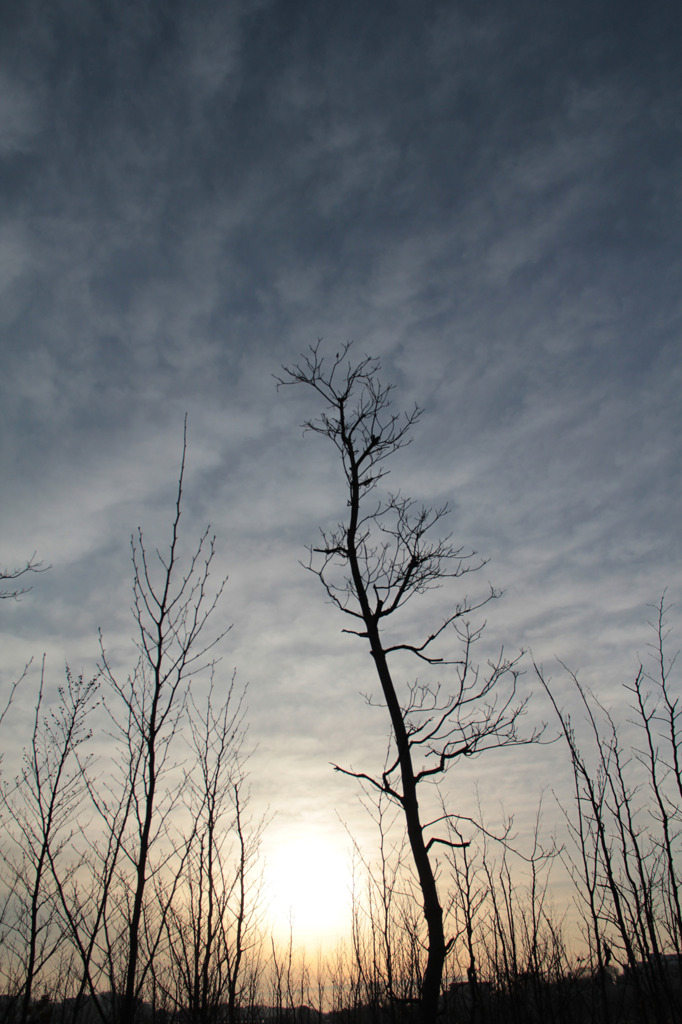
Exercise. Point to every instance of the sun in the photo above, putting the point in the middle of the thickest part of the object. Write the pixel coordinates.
(308, 890)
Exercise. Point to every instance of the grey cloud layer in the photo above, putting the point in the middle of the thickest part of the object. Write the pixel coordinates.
(190, 194)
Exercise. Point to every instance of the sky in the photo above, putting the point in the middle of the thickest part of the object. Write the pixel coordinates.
(485, 196)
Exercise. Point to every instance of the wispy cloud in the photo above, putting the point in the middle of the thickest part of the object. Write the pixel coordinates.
(487, 200)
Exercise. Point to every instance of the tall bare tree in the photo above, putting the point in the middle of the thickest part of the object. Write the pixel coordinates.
(379, 557)
(172, 604)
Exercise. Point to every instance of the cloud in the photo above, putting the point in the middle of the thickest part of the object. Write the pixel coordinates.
(20, 116)
(484, 200)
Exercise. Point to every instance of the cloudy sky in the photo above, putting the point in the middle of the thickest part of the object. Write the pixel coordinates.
(485, 195)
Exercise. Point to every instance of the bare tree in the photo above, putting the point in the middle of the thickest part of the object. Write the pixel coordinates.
(39, 811)
(105, 852)
(212, 930)
(625, 825)
(594, 868)
(380, 963)
(658, 717)
(469, 897)
(15, 593)
(371, 565)
(172, 606)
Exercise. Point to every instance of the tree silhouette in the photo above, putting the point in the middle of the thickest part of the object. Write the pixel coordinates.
(371, 565)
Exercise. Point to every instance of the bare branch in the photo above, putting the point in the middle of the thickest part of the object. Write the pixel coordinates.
(9, 575)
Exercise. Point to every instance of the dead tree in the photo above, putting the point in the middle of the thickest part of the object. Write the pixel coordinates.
(371, 565)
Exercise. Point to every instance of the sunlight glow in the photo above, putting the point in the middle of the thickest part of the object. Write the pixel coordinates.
(308, 890)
